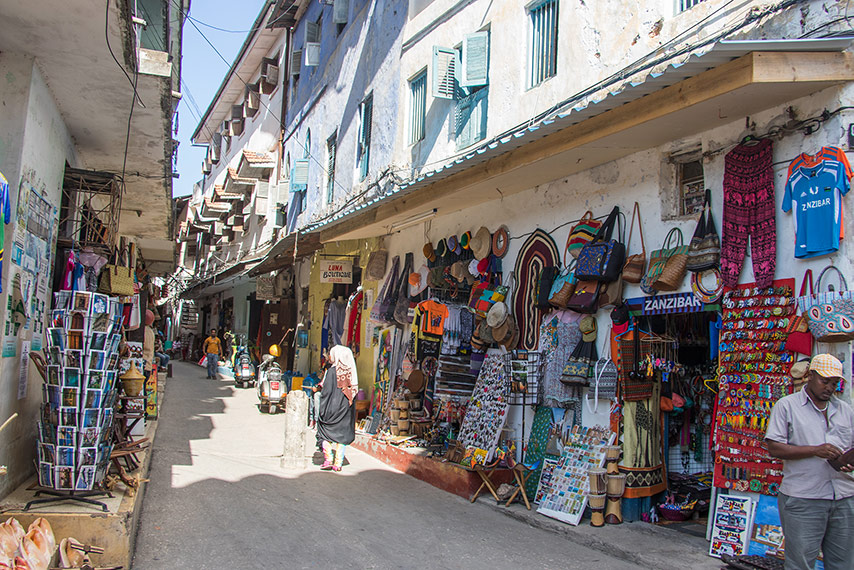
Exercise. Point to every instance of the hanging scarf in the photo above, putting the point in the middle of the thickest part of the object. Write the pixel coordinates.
(342, 359)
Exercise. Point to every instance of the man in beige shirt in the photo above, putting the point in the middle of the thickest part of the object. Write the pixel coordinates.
(148, 342)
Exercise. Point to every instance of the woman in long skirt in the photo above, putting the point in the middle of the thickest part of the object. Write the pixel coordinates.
(336, 422)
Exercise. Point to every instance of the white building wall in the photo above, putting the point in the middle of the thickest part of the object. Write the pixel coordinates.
(35, 148)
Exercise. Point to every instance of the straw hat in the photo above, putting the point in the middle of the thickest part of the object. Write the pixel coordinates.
(418, 281)
(504, 331)
(497, 314)
(481, 243)
(513, 341)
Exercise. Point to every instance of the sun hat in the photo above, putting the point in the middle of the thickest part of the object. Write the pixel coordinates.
(826, 365)
(465, 238)
(799, 369)
(481, 243)
(510, 342)
(418, 281)
(486, 333)
(500, 242)
(429, 252)
(416, 380)
(460, 271)
(497, 314)
(587, 326)
(504, 331)
(473, 267)
(442, 248)
(454, 245)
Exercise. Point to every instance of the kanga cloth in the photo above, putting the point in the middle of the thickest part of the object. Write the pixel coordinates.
(559, 335)
(536, 448)
(538, 252)
(642, 447)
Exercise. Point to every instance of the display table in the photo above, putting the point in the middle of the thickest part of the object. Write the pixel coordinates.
(486, 473)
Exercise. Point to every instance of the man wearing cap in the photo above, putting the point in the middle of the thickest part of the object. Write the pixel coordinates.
(816, 502)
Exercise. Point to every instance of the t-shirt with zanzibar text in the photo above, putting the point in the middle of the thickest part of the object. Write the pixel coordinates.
(815, 193)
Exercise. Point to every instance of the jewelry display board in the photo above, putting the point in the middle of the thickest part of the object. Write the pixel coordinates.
(76, 423)
(754, 374)
(487, 412)
(564, 495)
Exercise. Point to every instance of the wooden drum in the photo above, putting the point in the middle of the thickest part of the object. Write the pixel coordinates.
(598, 480)
(616, 485)
(597, 505)
(612, 457)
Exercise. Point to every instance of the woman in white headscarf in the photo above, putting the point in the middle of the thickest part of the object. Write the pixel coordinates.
(336, 422)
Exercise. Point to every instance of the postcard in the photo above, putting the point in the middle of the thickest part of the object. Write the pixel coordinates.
(70, 396)
(66, 455)
(68, 417)
(56, 338)
(82, 302)
(47, 452)
(97, 360)
(53, 374)
(88, 456)
(66, 435)
(99, 341)
(91, 417)
(89, 436)
(45, 474)
(71, 377)
(85, 479)
(64, 478)
(61, 300)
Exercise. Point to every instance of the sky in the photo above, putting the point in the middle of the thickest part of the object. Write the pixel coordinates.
(203, 71)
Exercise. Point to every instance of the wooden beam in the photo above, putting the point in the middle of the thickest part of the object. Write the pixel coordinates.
(818, 69)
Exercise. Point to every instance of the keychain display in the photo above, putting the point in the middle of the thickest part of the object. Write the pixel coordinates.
(753, 375)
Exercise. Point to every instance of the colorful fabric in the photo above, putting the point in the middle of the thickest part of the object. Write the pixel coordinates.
(642, 447)
(538, 252)
(6, 215)
(749, 213)
(431, 317)
(558, 338)
(536, 448)
(815, 193)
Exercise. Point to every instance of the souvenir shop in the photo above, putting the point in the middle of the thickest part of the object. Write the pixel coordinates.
(619, 357)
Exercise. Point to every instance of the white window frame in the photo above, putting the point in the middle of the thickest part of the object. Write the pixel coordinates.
(418, 107)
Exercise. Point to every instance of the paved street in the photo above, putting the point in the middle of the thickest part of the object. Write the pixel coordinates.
(218, 499)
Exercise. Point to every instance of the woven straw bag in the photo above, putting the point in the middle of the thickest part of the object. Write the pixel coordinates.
(117, 280)
(674, 269)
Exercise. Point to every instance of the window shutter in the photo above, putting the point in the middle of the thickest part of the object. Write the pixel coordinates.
(365, 136)
(253, 99)
(312, 32)
(444, 73)
(478, 116)
(296, 62)
(475, 64)
(471, 118)
(262, 189)
(340, 11)
(331, 148)
(312, 54)
(463, 120)
(269, 74)
(216, 147)
(299, 175)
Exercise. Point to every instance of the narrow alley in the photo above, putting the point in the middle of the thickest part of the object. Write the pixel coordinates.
(217, 498)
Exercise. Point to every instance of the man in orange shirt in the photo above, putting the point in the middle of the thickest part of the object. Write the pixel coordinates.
(212, 349)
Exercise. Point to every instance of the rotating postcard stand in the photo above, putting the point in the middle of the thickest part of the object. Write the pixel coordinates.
(523, 387)
(76, 422)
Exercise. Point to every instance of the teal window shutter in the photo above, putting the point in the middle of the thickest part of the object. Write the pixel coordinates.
(470, 118)
(445, 66)
(475, 60)
(417, 107)
(543, 38)
(340, 11)
(299, 175)
(462, 120)
(365, 137)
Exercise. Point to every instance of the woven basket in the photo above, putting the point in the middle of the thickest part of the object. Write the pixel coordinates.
(561, 298)
(674, 272)
(634, 268)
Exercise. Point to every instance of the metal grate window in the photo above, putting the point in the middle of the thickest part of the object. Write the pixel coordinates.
(417, 107)
(543, 49)
(331, 147)
(692, 187)
(688, 4)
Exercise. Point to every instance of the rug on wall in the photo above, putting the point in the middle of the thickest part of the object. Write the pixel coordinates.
(538, 251)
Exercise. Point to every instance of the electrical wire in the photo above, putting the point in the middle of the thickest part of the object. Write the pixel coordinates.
(109, 47)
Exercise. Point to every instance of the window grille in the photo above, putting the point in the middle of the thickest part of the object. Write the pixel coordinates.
(543, 49)
(331, 147)
(417, 107)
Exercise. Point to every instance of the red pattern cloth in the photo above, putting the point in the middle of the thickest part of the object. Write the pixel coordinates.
(749, 212)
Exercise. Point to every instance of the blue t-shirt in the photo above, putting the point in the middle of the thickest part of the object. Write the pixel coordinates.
(816, 193)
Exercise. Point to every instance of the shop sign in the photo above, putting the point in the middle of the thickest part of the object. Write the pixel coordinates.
(264, 289)
(334, 271)
(668, 304)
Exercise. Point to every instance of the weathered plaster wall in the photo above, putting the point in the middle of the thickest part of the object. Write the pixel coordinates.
(35, 148)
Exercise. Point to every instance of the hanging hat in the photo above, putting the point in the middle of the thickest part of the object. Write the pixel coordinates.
(416, 381)
(460, 271)
(454, 245)
(477, 342)
(587, 326)
(486, 333)
(429, 252)
(512, 340)
(500, 242)
(497, 314)
(473, 267)
(465, 238)
(418, 281)
(799, 369)
(441, 248)
(481, 243)
(504, 331)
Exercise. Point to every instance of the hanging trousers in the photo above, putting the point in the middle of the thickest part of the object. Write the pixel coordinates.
(749, 213)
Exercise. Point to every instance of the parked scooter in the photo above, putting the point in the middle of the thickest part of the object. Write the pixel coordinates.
(272, 387)
(244, 369)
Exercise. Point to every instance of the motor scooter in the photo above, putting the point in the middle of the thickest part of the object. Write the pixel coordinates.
(272, 387)
(244, 369)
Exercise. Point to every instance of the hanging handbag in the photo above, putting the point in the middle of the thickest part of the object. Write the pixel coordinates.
(401, 308)
(704, 251)
(582, 233)
(674, 270)
(657, 260)
(799, 337)
(830, 314)
(563, 287)
(117, 280)
(585, 298)
(544, 287)
(605, 376)
(381, 305)
(603, 258)
(636, 263)
(635, 385)
(611, 294)
(375, 269)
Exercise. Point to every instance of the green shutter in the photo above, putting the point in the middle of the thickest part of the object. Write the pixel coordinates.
(475, 60)
(444, 71)
(470, 118)
(365, 138)
(299, 174)
(340, 11)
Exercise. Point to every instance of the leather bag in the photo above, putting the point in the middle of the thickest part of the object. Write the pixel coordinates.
(544, 287)
(799, 337)
(831, 313)
(582, 233)
(403, 304)
(603, 258)
(564, 284)
(611, 294)
(704, 251)
(636, 263)
(585, 298)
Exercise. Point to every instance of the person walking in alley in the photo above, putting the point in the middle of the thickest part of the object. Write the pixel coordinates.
(808, 429)
(148, 342)
(336, 422)
(212, 349)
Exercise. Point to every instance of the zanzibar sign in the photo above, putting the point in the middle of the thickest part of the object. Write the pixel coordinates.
(332, 271)
(668, 304)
